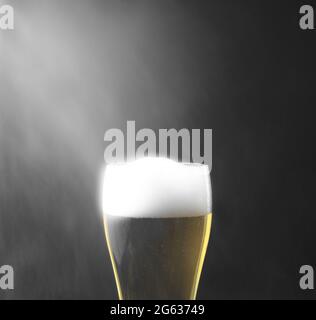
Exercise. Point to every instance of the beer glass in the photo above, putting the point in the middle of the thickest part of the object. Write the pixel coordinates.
(157, 218)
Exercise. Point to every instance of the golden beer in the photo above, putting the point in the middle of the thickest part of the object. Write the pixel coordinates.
(157, 258)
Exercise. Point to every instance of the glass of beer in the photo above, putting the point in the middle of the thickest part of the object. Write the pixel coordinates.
(157, 218)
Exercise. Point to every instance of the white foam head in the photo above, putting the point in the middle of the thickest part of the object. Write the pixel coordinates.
(156, 187)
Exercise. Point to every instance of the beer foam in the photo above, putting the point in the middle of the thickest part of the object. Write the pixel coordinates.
(156, 187)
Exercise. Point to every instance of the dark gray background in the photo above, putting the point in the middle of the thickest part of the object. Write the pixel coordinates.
(73, 69)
